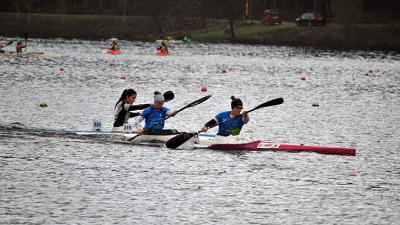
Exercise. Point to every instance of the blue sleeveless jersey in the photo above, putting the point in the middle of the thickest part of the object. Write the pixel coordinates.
(232, 127)
(153, 117)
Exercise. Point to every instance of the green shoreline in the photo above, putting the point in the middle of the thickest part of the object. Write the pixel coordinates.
(385, 36)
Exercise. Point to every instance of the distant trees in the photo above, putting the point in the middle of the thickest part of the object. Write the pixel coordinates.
(199, 8)
(348, 11)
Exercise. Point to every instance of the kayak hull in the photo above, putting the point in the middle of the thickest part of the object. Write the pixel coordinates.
(111, 51)
(161, 53)
(148, 139)
(23, 54)
(213, 142)
(250, 146)
(270, 146)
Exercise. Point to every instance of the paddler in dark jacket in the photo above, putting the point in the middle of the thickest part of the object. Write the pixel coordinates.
(19, 47)
(124, 106)
(235, 119)
(163, 48)
(114, 46)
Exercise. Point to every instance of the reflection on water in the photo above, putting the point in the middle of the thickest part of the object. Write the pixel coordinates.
(51, 175)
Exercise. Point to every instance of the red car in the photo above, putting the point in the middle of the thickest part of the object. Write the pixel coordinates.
(271, 16)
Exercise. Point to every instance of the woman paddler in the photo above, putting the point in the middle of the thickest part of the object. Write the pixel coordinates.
(115, 46)
(154, 117)
(124, 106)
(235, 119)
(19, 47)
(163, 48)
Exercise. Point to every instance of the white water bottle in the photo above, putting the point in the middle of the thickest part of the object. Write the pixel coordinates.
(96, 125)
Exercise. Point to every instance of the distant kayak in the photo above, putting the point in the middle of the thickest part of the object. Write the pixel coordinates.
(108, 51)
(23, 54)
(161, 53)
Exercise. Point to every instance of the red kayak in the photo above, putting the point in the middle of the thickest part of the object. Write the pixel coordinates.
(112, 51)
(270, 146)
(161, 53)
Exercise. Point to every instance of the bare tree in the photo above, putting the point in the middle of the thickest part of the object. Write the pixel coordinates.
(230, 10)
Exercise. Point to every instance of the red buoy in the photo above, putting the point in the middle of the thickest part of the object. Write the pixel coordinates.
(203, 89)
(302, 78)
(61, 69)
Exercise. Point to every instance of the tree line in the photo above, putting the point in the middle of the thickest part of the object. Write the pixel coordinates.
(235, 9)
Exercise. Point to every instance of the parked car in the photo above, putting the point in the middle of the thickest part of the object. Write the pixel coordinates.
(271, 16)
(310, 19)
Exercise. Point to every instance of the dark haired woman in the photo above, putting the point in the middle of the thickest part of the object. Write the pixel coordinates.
(154, 117)
(115, 46)
(123, 107)
(234, 119)
(19, 47)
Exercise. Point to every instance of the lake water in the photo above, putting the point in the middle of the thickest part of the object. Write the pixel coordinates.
(49, 175)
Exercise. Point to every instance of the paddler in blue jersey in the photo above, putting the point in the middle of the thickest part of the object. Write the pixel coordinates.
(154, 117)
(124, 107)
(235, 119)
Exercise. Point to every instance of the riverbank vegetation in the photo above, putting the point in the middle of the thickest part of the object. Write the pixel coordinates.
(351, 24)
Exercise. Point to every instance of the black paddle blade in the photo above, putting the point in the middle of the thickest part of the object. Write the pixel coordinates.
(273, 102)
(179, 139)
(168, 96)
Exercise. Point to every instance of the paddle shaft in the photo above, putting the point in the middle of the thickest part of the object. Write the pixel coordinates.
(26, 41)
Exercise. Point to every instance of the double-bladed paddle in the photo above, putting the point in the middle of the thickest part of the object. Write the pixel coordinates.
(183, 137)
(26, 41)
(198, 101)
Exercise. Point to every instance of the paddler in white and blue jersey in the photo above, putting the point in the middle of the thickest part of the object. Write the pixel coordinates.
(154, 117)
(234, 119)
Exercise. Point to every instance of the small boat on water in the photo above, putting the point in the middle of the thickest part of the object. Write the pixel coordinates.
(23, 54)
(108, 51)
(158, 52)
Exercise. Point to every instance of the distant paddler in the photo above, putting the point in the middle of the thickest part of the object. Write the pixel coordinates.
(19, 47)
(162, 49)
(115, 46)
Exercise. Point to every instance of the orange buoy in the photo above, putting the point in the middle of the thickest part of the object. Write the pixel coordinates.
(203, 89)
(122, 77)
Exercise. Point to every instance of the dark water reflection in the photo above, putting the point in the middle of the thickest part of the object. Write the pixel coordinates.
(49, 176)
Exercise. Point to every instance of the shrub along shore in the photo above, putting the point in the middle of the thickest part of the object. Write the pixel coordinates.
(95, 27)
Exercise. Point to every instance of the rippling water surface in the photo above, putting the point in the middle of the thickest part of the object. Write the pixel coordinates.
(49, 175)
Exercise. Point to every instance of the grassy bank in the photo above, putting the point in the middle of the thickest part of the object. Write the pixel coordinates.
(336, 36)
(95, 27)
